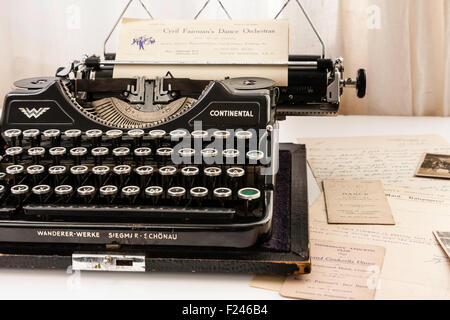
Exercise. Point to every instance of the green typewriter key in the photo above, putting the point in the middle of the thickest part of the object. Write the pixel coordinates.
(251, 197)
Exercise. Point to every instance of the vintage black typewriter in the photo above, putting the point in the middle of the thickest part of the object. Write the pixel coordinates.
(89, 159)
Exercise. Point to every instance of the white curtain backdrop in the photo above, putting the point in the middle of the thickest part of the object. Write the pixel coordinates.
(403, 44)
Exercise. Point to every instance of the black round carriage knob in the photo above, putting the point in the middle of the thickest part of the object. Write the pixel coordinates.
(54, 135)
(96, 137)
(14, 137)
(360, 83)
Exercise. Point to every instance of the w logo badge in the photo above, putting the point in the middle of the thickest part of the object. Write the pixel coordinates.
(33, 112)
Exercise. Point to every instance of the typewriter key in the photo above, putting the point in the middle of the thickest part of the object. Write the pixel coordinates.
(2, 176)
(116, 137)
(42, 192)
(64, 192)
(109, 193)
(141, 154)
(177, 194)
(75, 136)
(20, 192)
(223, 194)
(221, 135)
(190, 175)
(244, 135)
(138, 136)
(36, 154)
(100, 173)
(200, 135)
(14, 137)
(122, 173)
(87, 193)
(249, 195)
(2, 191)
(34, 136)
(164, 155)
(157, 138)
(79, 173)
(55, 137)
(95, 136)
(57, 154)
(144, 173)
(154, 194)
(231, 156)
(209, 155)
(243, 140)
(167, 176)
(120, 154)
(176, 135)
(212, 176)
(235, 177)
(199, 194)
(99, 154)
(15, 153)
(131, 193)
(187, 155)
(78, 153)
(15, 172)
(58, 173)
(36, 173)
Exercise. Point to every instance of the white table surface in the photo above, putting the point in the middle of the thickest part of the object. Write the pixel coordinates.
(52, 284)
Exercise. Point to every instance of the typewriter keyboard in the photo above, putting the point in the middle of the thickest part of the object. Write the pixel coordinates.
(135, 176)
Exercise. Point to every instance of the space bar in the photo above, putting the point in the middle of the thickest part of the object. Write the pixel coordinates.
(164, 212)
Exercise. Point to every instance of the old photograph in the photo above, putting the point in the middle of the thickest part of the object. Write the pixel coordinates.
(434, 166)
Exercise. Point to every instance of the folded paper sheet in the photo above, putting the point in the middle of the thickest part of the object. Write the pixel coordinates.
(204, 41)
(342, 271)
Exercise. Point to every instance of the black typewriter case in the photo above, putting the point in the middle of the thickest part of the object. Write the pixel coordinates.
(285, 252)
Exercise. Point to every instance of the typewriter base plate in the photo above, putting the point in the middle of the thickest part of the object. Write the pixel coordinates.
(286, 252)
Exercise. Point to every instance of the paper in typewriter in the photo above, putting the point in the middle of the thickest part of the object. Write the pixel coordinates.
(204, 41)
